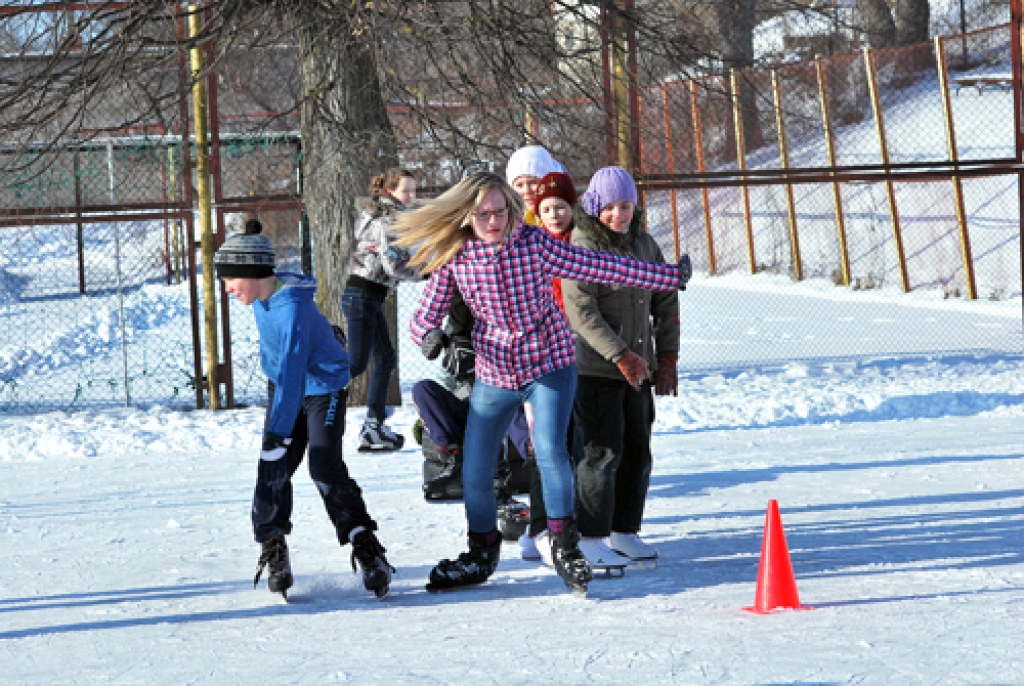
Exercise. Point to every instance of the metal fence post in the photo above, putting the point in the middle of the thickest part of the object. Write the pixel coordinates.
(958, 189)
(876, 107)
(698, 143)
(741, 164)
(671, 163)
(780, 126)
(119, 276)
(830, 148)
(205, 209)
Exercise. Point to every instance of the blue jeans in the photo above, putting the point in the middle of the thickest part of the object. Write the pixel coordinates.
(490, 411)
(368, 336)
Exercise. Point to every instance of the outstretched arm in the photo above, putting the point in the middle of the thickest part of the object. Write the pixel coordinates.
(573, 262)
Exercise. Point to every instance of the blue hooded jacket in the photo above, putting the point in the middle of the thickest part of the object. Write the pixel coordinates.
(298, 350)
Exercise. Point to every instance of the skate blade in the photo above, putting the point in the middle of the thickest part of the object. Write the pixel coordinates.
(377, 449)
(444, 588)
(609, 571)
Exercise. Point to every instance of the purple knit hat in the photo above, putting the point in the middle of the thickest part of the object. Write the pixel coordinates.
(608, 185)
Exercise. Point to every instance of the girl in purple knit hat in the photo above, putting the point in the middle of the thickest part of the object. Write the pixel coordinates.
(473, 237)
(622, 334)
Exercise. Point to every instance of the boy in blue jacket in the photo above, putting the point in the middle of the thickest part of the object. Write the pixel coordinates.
(308, 373)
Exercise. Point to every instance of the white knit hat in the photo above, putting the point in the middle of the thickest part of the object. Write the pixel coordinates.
(532, 160)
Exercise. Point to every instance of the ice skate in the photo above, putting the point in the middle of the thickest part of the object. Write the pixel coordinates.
(569, 561)
(634, 547)
(275, 557)
(603, 560)
(446, 484)
(469, 568)
(375, 436)
(369, 554)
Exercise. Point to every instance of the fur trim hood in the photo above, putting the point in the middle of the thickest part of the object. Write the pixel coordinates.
(600, 237)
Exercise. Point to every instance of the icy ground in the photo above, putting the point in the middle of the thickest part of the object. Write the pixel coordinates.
(128, 556)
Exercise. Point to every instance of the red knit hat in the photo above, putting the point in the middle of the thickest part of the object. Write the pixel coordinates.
(556, 185)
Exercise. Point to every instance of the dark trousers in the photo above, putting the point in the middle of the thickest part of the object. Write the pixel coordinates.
(368, 337)
(320, 427)
(443, 414)
(612, 452)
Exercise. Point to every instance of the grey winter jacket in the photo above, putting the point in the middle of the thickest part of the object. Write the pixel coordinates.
(375, 258)
(608, 319)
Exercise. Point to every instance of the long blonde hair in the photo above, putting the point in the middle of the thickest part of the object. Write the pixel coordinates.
(439, 229)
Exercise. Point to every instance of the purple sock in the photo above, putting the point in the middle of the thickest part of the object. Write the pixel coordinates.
(555, 526)
(489, 538)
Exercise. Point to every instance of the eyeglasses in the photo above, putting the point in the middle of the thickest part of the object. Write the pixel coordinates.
(486, 216)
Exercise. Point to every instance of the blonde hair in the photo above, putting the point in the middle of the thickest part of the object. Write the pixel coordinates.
(440, 228)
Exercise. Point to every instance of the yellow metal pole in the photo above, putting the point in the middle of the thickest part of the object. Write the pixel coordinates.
(172, 182)
(671, 160)
(205, 206)
(830, 146)
(698, 142)
(741, 163)
(958, 189)
(780, 126)
(876, 108)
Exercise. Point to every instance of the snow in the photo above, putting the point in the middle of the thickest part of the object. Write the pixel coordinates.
(896, 461)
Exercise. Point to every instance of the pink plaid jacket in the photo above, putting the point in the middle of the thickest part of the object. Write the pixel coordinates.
(521, 334)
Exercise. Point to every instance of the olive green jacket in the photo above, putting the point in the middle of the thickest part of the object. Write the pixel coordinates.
(608, 319)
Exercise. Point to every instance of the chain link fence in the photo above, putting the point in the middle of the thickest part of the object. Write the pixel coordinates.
(97, 308)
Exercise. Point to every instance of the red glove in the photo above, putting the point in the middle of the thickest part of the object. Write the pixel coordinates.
(634, 368)
(666, 378)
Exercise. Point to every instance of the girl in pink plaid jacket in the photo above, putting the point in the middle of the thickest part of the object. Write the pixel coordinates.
(473, 236)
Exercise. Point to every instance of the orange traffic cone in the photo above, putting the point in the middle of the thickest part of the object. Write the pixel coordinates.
(776, 585)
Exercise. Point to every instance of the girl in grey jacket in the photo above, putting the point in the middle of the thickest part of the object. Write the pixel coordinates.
(375, 268)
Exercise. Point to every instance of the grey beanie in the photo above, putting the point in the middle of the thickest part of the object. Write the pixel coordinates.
(248, 255)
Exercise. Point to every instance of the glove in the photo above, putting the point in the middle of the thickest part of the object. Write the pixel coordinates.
(434, 341)
(634, 368)
(666, 378)
(274, 448)
(460, 359)
(685, 271)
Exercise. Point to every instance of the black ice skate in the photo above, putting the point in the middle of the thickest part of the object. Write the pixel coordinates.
(570, 562)
(275, 556)
(513, 519)
(470, 568)
(444, 483)
(369, 553)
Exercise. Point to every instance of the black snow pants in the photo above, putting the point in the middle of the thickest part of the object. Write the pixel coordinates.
(612, 453)
(320, 426)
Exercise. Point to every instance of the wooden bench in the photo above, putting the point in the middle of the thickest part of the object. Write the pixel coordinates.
(1001, 82)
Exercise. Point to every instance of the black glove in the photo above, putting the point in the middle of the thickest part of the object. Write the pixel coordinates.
(434, 341)
(460, 359)
(685, 271)
(274, 447)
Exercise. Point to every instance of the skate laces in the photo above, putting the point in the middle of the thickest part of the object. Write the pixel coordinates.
(368, 551)
(273, 555)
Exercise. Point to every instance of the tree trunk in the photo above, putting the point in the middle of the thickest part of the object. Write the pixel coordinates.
(878, 23)
(736, 20)
(346, 140)
(912, 19)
